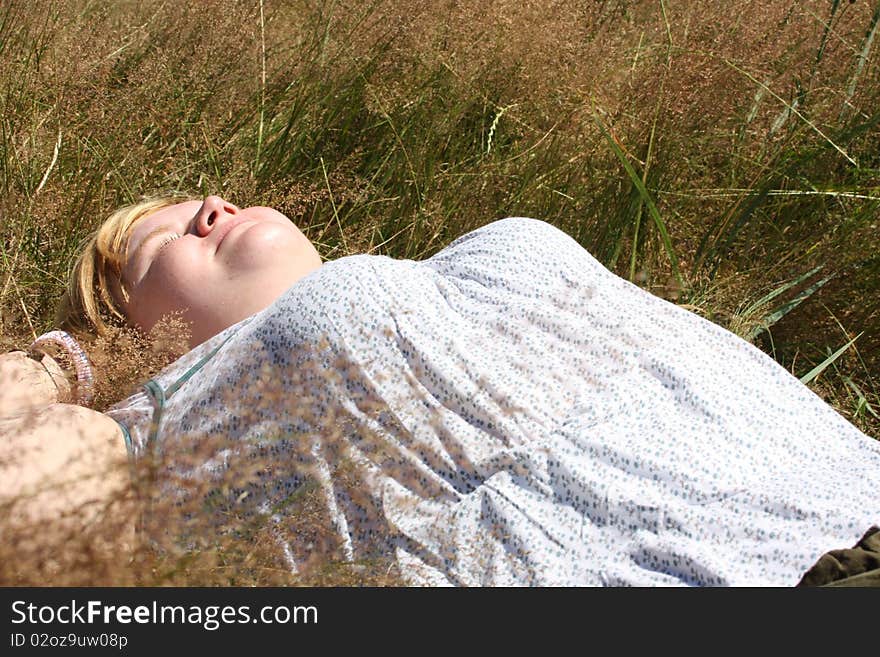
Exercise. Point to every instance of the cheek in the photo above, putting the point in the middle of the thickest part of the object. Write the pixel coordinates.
(170, 279)
(170, 284)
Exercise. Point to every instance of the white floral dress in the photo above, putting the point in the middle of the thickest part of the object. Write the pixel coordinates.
(509, 412)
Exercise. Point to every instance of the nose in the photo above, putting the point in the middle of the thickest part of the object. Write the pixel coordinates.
(214, 211)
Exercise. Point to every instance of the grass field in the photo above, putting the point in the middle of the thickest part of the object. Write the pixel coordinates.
(726, 160)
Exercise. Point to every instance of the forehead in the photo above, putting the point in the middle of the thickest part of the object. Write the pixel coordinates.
(172, 215)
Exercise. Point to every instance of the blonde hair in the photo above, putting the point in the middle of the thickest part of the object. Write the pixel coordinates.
(92, 299)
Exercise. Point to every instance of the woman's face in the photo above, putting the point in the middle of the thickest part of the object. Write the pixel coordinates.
(213, 263)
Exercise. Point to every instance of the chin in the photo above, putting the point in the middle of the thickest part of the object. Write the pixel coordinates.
(264, 242)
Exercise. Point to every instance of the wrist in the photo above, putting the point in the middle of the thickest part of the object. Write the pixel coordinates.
(57, 351)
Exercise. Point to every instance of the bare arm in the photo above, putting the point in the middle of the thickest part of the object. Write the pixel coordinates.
(61, 466)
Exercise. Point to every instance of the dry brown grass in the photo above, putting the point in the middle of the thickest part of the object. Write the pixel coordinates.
(376, 123)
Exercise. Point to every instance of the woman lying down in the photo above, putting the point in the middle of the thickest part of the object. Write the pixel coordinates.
(506, 412)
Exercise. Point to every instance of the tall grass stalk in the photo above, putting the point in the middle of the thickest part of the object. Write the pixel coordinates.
(262, 87)
(860, 62)
(821, 367)
(645, 197)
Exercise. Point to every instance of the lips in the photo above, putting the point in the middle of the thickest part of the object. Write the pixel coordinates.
(224, 230)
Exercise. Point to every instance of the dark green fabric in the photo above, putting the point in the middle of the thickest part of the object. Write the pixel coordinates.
(855, 566)
(870, 578)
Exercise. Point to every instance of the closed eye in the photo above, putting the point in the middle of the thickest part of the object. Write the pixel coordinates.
(167, 240)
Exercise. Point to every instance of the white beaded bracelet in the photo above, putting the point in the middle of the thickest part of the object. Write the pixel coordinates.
(85, 381)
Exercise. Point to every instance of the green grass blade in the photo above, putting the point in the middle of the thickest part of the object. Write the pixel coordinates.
(816, 371)
(645, 196)
(786, 308)
(779, 290)
(863, 400)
